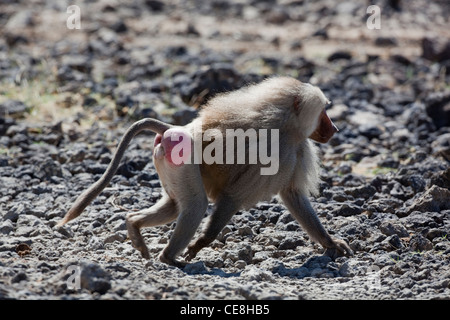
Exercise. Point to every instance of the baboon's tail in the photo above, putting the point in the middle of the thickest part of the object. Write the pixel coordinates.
(89, 195)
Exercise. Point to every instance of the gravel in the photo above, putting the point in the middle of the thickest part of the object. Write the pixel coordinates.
(69, 95)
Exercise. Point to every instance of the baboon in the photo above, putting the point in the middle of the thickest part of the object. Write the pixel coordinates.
(292, 109)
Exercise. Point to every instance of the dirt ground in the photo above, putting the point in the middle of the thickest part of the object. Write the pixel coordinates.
(67, 94)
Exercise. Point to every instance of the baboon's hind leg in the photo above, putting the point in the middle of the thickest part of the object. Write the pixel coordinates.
(164, 211)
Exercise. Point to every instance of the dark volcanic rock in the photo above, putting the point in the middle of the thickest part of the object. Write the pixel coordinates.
(13, 108)
(434, 199)
(94, 278)
(389, 228)
(68, 95)
(204, 83)
(339, 55)
(438, 108)
(436, 49)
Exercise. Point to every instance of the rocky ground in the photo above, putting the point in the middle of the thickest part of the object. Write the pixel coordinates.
(67, 95)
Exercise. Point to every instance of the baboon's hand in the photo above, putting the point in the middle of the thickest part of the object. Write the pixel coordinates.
(191, 253)
(340, 248)
(172, 262)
